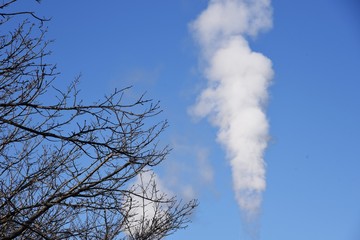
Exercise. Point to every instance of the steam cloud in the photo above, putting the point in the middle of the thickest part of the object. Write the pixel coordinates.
(236, 90)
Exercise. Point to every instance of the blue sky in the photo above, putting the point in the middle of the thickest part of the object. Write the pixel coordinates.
(313, 155)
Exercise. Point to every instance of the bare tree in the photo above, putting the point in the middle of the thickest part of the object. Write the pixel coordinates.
(67, 168)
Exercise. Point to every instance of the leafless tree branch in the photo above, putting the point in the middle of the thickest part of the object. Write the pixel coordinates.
(67, 168)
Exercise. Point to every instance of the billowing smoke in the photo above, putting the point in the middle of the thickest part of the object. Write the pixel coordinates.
(236, 92)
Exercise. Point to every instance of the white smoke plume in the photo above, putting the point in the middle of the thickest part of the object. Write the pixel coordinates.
(236, 91)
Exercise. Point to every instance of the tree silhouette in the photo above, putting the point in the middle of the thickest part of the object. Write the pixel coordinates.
(68, 169)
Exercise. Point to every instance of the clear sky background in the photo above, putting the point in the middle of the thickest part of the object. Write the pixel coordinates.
(313, 156)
